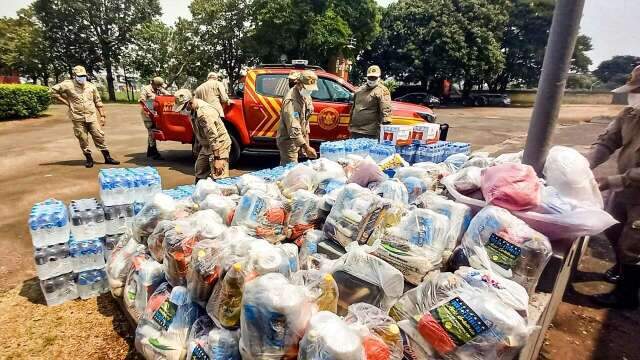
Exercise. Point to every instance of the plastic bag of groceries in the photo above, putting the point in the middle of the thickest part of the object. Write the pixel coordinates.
(500, 242)
(207, 224)
(300, 177)
(422, 228)
(510, 292)
(177, 247)
(225, 302)
(568, 171)
(327, 169)
(330, 337)
(224, 206)
(274, 317)
(205, 269)
(362, 277)
(437, 171)
(206, 341)
(456, 161)
(144, 277)
(203, 189)
(560, 218)
(394, 190)
(263, 258)
(470, 323)
(262, 216)
(508, 158)
(161, 207)
(479, 159)
(305, 213)
(308, 244)
(365, 172)
(355, 216)
(163, 329)
(250, 182)
(119, 263)
(321, 288)
(414, 262)
(155, 241)
(380, 333)
(464, 187)
(511, 186)
(459, 216)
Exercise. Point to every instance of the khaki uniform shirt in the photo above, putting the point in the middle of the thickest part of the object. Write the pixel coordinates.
(148, 93)
(371, 108)
(209, 130)
(622, 133)
(83, 100)
(294, 118)
(214, 93)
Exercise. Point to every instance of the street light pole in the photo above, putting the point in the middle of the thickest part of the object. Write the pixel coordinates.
(555, 69)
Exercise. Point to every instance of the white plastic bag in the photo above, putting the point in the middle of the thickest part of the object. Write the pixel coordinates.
(394, 190)
(144, 277)
(119, 264)
(206, 341)
(300, 177)
(327, 169)
(459, 216)
(329, 337)
(161, 207)
(380, 333)
(262, 215)
(305, 213)
(568, 171)
(224, 206)
(203, 189)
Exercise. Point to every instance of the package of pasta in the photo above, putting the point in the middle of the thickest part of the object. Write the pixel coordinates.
(381, 335)
(163, 329)
(144, 277)
(262, 216)
(305, 213)
(355, 216)
(500, 242)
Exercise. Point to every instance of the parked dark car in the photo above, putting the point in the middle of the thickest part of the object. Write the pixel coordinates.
(490, 100)
(420, 99)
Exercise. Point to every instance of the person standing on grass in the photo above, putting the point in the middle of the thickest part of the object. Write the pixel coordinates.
(371, 107)
(623, 133)
(83, 100)
(148, 93)
(211, 134)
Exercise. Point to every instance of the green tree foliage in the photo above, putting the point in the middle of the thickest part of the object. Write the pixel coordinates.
(22, 101)
(103, 27)
(316, 30)
(581, 81)
(615, 71)
(581, 61)
(440, 39)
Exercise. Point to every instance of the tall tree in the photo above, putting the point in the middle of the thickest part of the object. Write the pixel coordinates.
(615, 71)
(581, 61)
(101, 28)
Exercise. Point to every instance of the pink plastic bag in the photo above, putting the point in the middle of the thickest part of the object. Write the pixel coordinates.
(511, 186)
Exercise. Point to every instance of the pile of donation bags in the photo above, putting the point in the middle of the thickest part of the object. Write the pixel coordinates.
(233, 271)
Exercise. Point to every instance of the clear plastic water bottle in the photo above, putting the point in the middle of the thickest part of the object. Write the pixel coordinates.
(48, 223)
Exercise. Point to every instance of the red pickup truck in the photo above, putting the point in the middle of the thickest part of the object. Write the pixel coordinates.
(252, 118)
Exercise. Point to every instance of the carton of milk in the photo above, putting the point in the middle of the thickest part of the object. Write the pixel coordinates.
(424, 134)
(396, 135)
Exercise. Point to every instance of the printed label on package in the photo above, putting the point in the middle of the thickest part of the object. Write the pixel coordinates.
(459, 321)
(199, 353)
(501, 252)
(423, 236)
(165, 314)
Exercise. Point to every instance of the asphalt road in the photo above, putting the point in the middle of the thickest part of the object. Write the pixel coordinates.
(41, 159)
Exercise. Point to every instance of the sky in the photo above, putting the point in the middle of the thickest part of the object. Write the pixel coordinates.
(611, 24)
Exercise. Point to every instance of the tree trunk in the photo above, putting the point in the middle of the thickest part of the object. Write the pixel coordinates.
(108, 64)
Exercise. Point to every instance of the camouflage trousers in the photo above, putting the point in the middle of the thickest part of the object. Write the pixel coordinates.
(625, 236)
(151, 141)
(204, 166)
(289, 151)
(82, 130)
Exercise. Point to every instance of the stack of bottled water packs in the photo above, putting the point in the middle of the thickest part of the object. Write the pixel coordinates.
(120, 186)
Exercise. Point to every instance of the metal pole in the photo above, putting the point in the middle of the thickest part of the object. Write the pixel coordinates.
(555, 69)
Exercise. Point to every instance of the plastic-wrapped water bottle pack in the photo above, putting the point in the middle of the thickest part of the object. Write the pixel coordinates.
(128, 185)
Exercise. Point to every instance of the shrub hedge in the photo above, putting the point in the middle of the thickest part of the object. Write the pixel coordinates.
(23, 100)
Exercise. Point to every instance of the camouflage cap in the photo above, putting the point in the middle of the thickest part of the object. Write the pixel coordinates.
(374, 70)
(158, 81)
(183, 96)
(79, 70)
(309, 80)
(213, 75)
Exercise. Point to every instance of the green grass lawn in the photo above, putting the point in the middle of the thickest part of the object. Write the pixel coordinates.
(528, 98)
(121, 97)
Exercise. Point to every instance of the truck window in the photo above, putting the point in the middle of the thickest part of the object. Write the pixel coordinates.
(338, 92)
(322, 94)
(271, 84)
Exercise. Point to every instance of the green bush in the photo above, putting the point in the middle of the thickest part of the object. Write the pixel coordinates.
(22, 100)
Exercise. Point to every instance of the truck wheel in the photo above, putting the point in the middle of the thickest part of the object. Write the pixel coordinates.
(234, 155)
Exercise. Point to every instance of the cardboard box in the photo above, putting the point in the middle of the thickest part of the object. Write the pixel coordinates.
(425, 134)
(395, 135)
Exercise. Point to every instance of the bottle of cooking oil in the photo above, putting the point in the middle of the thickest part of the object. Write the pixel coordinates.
(231, 297)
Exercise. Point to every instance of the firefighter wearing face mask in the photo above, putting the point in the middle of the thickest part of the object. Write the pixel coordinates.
(83, 100)
(623, 134)
(293, 131)
(210, 133)
(371, 107)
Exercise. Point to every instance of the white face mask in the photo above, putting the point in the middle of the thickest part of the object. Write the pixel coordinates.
(372, 83)
(81, 80)
(305, 92)
(634, 99)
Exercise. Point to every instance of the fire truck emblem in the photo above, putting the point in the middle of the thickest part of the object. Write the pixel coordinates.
(328, 118)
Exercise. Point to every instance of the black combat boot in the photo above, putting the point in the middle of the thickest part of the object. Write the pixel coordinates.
(153, 153)
(625, 294)
(89, 162)
(108, 159)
